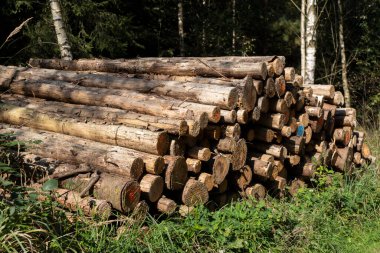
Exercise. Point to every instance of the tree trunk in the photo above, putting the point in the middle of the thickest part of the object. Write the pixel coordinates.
(233, 26)
(180, 29)
(311, 40)
(346, 89)
(63, 41)
(303, 39)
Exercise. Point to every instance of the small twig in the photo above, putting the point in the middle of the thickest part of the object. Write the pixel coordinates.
(212, 68)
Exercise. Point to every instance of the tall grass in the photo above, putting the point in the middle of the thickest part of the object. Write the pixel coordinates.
(340, 217)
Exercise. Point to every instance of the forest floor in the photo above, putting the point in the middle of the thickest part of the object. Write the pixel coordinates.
(341, 216)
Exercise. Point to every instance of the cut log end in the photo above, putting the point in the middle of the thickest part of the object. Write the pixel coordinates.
(194, 193)
(151, 187)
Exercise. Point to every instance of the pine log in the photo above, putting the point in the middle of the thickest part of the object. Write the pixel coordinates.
(348, 120)
(303, 119)
(176, 173)
(295, 145)
(183, 67)
(166, 205)
(200, 153)
(286, 131)
(111, 115)
(255, 114)
(227, 144)
(262, 169)
(357, 158)
(308, 170)
(232, 131)
(325, 90)
(342, 136)
(278, 105)
(292, 123)
(122, 193)
(330, 107)
(222, 187)
(275, 121)
(277, 65)
(277, 151)
(365, 151)
(242, 116)
(71, 200)
(239, 156)
(294, 160)
(257, 191)
(194, 193)
(194, 165)
(343, 161)
(298, 80)
(259, 87)
(112, 159)
(314, 111)
(243, 177)
(280, 86)
(270, 88)
(220, 167)
(290, 74)
(185, 210)
(337, 100)
(151, 187)
(207, 179)
(223, 96)
(263, 104)
(138, 102)
(316, 124)
(228, 116)
(139, 139)
(264, 134)
(289, 99)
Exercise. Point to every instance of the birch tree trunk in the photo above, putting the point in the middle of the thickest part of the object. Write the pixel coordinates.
(180, 28)
(303, 56)
(343, 57)
(63, 41)
(311, 33)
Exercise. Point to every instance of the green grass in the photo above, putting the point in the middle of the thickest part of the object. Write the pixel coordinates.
(341, 217)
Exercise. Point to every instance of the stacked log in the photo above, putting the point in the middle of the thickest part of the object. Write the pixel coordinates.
(177, 132)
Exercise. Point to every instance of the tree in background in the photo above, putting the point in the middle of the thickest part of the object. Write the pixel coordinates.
(310, 41)
(63, 42)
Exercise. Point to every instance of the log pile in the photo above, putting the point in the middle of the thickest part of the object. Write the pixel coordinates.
(176, 132)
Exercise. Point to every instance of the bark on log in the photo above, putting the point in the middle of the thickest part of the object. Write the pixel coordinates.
(326, 90)
(224, 96)
(228, 116)
(72, 201)
(122, 193)
(111, 115)
(280, 86)
(183, 67)
(290, 74)
(242, 116)
(264, 134)
(112, 159)
(200, 153)
(275, 121)
(259, 87)
(139, 139)
(130, 100)
(277, 151)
